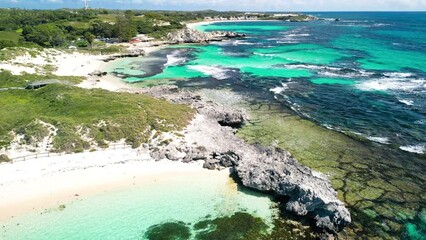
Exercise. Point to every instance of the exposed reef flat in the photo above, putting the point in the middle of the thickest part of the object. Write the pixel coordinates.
(211, 138)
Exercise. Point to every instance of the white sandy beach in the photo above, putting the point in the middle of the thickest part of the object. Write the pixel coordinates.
(45, 183)
(48, 182)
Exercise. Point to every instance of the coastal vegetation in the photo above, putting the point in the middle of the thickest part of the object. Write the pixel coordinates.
(70, 27)
(84, 118)
(4, 158)
(79, 27)
(8, 80)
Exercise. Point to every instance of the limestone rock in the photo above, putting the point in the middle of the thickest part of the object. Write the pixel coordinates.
(269, 169)
(189, 35)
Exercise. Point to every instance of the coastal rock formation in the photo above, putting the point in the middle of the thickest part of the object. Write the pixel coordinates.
(267, 169)
(298, 18)
(189, 35)
(133, 52)
(274, 170)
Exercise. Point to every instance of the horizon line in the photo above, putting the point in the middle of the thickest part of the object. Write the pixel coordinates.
(207, 10)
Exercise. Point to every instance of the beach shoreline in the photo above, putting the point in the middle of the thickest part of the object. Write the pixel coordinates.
(42, 184)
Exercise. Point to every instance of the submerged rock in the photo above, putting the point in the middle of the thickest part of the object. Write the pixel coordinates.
(168, 230)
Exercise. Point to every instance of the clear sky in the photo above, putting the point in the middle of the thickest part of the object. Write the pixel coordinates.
(243, 5)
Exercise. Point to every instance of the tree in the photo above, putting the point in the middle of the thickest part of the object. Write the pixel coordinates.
(125, 29)
(45, 35)
(102, 29)
(89, 38)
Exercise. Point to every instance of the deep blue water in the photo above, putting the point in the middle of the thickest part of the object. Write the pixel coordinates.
(362, 75)
(381, 55)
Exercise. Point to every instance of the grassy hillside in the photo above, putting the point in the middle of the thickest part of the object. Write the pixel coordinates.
(8, 80)
(101, 115)
(10, 36)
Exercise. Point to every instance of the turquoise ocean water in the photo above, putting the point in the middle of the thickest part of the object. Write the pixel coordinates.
(363, 76)
(128, 213)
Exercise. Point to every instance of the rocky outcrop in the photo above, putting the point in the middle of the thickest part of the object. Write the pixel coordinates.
(189, 35)
(133, 52)
(274, 170)
(267, 169)
(299, 18)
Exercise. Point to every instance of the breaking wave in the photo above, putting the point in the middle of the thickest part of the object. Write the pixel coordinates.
(279, 89)
(419, 149)
(393, 84)
(174, 59)
(382, 140)
(214, 71)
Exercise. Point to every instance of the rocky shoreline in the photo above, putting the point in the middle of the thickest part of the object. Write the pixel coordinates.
(186, 35)
(211, 138)
(189, 35)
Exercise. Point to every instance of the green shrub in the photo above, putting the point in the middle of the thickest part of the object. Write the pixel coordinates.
(4, 158)
(126, 116)
(6, 43)
(82, 44)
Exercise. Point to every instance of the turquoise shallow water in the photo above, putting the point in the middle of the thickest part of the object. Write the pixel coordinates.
(363, 76)
(129, 212)
(364, 55)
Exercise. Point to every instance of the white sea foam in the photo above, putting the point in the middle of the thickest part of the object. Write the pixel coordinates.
(406, 102)
(240, 42)
(382, 140)
(419, 149)
(380, 24)
(298, 35)
(288, 42)
(173, 60)
(392, 84)
(264, 54)
(279, 89)
(398, 74)
(311, 67)
(214, 71)
(332, 71)
(421, 122)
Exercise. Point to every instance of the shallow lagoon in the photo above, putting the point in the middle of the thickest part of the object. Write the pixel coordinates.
(128, 213)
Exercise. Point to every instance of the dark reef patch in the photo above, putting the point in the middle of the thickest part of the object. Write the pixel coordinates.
(168, 231)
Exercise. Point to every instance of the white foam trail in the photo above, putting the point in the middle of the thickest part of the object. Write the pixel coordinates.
(311, 67)
(173, 60)
(392, 84)
(398, 75)
(419, 149)
(406, 102)
(264, 54)
(288, 42)
(382, 140)
(380, 24)
(214, 71)
(240, 42)
(278, 90)
(299, 35)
